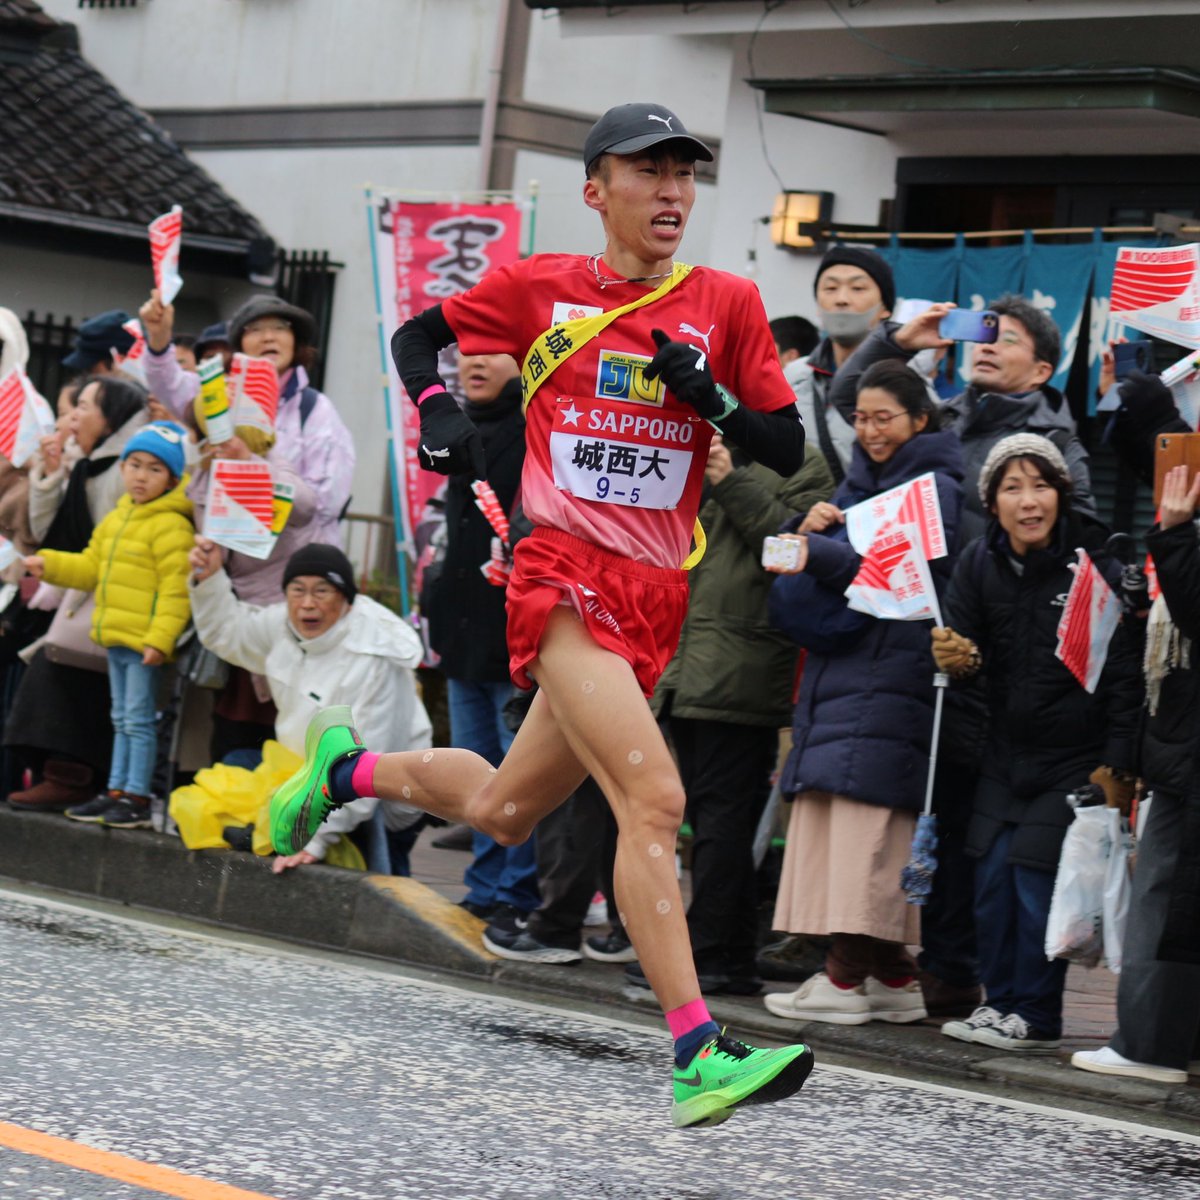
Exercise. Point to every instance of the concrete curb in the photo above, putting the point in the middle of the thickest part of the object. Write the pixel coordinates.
(404, 921)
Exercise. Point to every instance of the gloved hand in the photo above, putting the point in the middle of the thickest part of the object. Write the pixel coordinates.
(450, 443)
(1118, 787)
(1148, 402)
(684, 369)
(954, 654)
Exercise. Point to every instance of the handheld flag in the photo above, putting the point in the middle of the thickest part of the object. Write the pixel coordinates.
(25, 417)
(1088, 623)
(166, 235)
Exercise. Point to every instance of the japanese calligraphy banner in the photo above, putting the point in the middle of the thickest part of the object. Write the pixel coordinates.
(1158, 292)
(425, 253)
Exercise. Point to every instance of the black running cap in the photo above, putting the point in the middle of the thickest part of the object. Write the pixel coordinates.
(629, 128)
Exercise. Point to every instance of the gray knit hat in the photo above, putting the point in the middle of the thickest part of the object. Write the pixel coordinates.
(1019, 445)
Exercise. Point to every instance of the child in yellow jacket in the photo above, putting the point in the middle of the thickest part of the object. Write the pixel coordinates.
(136, 563)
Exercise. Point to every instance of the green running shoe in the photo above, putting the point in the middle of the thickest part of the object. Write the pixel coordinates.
(300, 805)
(726, 1074)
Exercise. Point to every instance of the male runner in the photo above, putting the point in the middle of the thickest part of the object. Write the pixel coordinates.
(617, 446)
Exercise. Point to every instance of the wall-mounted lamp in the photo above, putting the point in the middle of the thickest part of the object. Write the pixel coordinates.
(799, 219)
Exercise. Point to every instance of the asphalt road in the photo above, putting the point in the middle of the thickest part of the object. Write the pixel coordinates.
(141, 1059)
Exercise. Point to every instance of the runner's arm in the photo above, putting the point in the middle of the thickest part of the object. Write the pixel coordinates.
(775, 439)
(415, 347)
(449, 444)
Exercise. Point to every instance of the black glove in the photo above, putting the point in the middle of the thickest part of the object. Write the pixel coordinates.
(450, 443)
(684, 369)
(1147, 401)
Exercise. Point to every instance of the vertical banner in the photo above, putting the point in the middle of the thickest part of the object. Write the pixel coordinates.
(424, 254)
(1057, 279)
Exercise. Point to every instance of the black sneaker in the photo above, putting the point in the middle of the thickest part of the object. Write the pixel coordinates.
(507, 917)
(94, 809)
(127, 813)
(522, 946)
(482, 911)
(1015, 1033)
(612, 947)
(792, 960)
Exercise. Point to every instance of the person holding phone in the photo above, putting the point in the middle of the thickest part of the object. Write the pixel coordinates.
(1009, 390)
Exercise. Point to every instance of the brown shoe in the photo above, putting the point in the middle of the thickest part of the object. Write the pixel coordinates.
(944, 1000)
(64, 784)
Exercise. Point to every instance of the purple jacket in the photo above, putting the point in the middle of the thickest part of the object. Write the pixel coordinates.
(322, 454)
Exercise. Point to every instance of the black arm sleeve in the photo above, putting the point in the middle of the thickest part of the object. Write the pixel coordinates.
(775, 439)
(415, 347)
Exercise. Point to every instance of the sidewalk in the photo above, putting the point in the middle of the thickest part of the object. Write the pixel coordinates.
(416, 921)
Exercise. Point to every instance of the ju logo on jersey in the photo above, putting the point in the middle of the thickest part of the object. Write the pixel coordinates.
(623, 377)
(620, 454)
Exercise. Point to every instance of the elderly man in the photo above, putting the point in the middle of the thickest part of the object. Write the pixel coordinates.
(1009, 393)
(323, 645)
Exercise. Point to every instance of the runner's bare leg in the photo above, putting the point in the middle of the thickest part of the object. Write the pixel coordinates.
(537, 774)
(589, 717)
(605, 718)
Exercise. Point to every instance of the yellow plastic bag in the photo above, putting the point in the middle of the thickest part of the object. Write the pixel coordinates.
(221, 795)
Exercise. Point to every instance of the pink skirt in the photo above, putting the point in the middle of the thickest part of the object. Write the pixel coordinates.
(841, 870)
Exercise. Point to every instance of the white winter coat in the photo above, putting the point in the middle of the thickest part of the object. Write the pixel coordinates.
(366, 661)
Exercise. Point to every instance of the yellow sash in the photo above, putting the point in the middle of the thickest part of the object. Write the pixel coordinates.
(553, 347)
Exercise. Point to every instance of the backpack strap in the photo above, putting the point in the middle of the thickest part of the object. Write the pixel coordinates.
(308, 401)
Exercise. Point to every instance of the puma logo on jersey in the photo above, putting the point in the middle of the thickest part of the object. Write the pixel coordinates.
(435, 453)
(665, 120)
(692, 331)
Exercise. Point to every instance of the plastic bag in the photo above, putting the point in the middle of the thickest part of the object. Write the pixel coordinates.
(1074, 929)
(1118, 883)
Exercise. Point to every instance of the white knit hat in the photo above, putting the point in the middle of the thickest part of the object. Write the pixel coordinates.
(1020, 445)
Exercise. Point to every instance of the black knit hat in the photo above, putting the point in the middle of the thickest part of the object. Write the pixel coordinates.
(303, 326)
(325, 561)
(874, 264)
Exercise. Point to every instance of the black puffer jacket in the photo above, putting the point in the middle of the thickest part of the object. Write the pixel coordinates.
(1171, 742)
(466, 613)
(1046, 733)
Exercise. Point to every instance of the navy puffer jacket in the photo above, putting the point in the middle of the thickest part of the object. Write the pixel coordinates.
(865, 713)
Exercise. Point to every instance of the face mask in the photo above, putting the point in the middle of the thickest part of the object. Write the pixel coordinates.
(849, 328)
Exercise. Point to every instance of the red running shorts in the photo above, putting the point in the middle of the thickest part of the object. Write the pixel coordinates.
(631, 608)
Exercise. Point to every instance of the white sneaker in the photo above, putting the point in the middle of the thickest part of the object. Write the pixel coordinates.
(896, 1004)
(964, 1030)
(1015, 1033)
(1106, 1061)
(818, 998)
(597, 913)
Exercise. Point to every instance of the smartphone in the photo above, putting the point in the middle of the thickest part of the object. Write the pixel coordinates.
(781, 553)
(1129, 357)
(1174, 450)
(963, 325)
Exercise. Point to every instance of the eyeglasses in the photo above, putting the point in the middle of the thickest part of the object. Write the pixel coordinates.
(881, 420)
(322, 593)
(1013, 339)
(275, 326)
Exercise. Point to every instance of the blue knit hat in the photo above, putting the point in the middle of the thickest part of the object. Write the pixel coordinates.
(163, 439)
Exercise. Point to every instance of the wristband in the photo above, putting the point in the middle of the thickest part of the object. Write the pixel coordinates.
(432, 390)
(729, 400)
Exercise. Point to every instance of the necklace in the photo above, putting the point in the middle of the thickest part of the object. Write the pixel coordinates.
(604, 281)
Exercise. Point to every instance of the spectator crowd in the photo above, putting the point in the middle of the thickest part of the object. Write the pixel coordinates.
(141, 660)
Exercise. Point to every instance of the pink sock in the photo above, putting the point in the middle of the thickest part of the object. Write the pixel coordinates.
(686, 1017)
(363, 779)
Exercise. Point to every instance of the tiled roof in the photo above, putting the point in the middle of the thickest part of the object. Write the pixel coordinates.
(73, 148)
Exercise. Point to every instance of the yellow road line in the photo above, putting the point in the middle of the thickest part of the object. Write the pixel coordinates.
(116, 1166)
